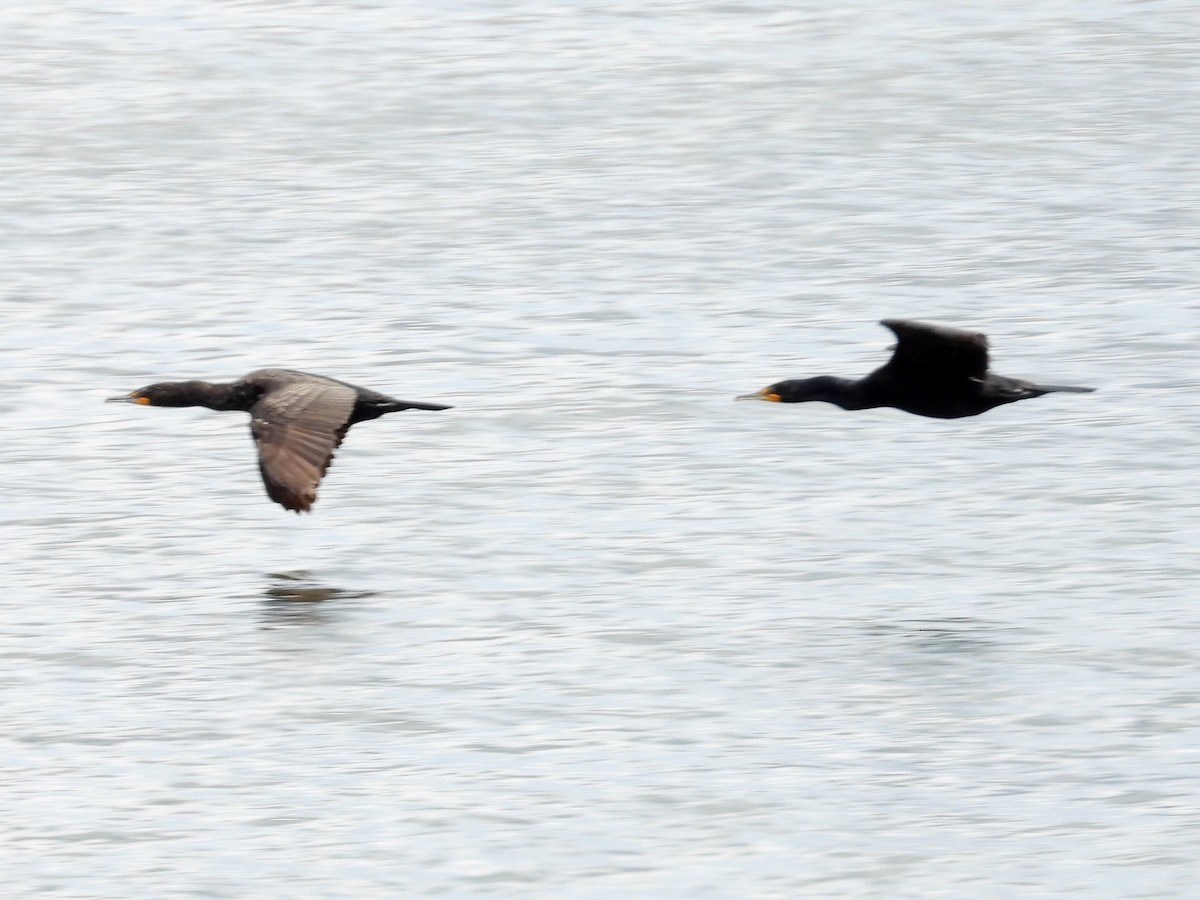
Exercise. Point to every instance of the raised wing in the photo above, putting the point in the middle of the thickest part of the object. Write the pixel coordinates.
(932, 353)
(297, 427)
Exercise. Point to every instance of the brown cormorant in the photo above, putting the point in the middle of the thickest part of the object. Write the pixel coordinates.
(934, 371)
(297, 420)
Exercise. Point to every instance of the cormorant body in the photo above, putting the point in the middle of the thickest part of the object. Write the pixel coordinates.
(934, 371)
(297, 420)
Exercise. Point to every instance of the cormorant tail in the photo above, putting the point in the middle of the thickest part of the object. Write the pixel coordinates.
(1064, 389)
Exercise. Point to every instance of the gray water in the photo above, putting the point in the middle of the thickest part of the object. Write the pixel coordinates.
(598, 630)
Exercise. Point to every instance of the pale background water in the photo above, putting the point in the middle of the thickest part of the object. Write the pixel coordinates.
(599, 630)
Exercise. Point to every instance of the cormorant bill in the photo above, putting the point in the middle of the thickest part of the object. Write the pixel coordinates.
(297, 420)
(934, 371)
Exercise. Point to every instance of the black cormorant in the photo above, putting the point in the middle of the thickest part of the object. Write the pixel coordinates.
(297, 420)
(934, 371)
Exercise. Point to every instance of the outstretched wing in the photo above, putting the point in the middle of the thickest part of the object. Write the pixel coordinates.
(934, 354)
(296, 428)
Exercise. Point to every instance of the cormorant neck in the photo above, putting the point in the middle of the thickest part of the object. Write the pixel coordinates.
(850, 394)
(235, 395)
(222, 396)
(844, 392)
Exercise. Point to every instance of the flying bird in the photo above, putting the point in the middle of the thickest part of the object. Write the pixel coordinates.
(297, 420)
(934, 371)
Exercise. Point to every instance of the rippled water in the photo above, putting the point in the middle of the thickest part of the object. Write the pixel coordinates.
(599, 629)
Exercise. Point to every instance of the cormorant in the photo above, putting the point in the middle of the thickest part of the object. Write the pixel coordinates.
(934, 371)
(297, 421)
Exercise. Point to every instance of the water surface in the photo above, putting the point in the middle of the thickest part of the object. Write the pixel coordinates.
(599, 629)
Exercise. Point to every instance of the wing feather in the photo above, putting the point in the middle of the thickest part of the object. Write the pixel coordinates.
(933, 353)
(297, 427)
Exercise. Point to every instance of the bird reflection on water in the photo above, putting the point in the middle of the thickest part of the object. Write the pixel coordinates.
(298, 598)
(954, 635)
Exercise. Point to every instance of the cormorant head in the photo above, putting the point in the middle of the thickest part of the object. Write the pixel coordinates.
(800, 390)
(167, 393)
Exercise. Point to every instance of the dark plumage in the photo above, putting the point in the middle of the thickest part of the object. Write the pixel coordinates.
(934, 371)
(297, 420)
